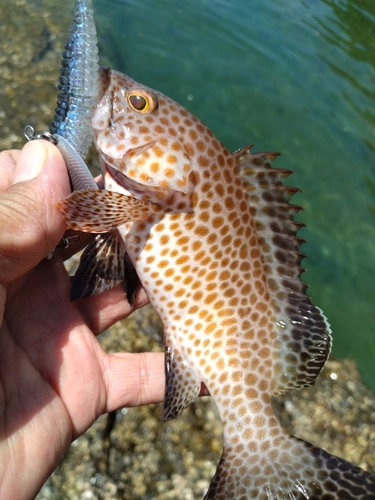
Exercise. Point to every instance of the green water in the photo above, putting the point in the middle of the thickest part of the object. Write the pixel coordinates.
(296, 77)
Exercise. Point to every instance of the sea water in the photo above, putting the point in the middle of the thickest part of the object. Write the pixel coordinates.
(297, 77)
(293, 76)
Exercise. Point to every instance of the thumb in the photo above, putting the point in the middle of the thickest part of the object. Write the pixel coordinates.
(31, 162)
(30, 224)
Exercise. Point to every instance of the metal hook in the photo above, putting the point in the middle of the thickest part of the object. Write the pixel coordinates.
(63, 243)
(29, 133)
(66, 242)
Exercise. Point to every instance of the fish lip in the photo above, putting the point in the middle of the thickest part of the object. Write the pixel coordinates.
(129, 152)
(140, 149)
(131, 187)
(119, 177)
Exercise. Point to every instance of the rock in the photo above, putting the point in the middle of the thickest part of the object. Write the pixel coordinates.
(337, 414)
(31, 39)
(131, 454)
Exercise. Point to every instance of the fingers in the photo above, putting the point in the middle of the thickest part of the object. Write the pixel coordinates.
(134, 379)
(30, 225)
(104, 310)
(31, 161)
(8, 160)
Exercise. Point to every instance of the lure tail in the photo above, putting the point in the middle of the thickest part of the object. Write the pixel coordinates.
(79, 81)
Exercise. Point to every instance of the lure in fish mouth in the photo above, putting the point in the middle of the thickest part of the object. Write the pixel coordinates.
(71, 130)
(212, 237)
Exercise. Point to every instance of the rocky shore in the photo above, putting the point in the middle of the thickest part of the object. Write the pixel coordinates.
(132, 455)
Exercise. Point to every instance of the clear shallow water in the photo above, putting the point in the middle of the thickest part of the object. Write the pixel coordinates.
(294, 77)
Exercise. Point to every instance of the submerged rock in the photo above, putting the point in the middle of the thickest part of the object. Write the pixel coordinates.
(32, 37)
(337, 414)
(132, 455)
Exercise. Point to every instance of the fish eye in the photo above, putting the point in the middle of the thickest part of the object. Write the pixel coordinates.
(142, 101)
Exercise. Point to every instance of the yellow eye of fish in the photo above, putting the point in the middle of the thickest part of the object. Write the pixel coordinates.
(141, 101)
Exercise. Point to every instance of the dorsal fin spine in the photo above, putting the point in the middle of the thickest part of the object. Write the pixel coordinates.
(303, 323)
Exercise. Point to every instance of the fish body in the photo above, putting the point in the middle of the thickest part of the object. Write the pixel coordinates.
(212, 237)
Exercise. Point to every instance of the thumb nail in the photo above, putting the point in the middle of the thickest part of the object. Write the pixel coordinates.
(31, 161)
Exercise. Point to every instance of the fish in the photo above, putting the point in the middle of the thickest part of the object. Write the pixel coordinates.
(213, 241)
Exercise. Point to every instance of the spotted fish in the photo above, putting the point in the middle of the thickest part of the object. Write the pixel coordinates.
(212, 237)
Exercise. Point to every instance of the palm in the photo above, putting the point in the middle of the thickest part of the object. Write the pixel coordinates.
(55, 379)
(49, 354)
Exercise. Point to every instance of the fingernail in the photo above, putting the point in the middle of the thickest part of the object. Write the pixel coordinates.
(31, 161)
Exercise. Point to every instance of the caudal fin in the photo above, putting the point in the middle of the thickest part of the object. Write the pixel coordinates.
(308, 473)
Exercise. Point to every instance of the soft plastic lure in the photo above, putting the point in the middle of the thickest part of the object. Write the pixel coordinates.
(71, 130)
(78, 81)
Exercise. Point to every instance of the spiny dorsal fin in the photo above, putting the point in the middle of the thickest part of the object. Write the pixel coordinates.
(302, 342)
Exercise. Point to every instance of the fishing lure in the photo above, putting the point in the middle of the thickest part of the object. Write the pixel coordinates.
(71, 130)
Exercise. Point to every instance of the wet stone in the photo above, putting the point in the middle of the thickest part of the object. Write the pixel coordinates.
(32, 37)
(131, 454)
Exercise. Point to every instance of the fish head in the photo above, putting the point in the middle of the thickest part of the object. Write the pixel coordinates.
(118, 119)
(139, 135)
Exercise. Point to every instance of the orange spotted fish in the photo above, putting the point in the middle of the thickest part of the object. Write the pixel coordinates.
(213, 241)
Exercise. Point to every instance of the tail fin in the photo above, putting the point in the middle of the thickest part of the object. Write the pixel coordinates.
(312, 474)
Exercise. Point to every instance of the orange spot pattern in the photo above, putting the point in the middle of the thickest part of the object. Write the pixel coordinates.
(204, 273)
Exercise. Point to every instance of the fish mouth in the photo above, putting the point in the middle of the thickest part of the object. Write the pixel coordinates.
(135, 188)
(104, 80)
(168, 200)
(139, 149)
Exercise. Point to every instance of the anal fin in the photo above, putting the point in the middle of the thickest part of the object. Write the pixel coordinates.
(182, 385)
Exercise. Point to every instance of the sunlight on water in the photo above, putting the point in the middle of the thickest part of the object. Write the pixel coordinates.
(295, 77)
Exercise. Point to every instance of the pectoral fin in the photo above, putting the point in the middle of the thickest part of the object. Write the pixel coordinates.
(100, 211)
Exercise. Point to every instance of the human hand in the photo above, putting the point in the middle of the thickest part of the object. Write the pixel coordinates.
(55, 379)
